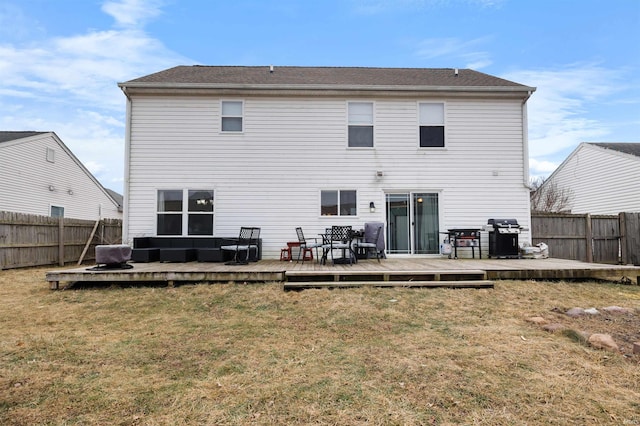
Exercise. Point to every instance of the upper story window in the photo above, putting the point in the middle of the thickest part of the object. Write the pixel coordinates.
(431, 125)
(360, 124)
(189, 210)
(232, 116)
(338, 203)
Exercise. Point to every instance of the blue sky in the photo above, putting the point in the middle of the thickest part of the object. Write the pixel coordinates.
(61, 60)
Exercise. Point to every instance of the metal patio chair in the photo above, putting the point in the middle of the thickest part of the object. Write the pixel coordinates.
(307, 245)
(340, 239)
(247, 241)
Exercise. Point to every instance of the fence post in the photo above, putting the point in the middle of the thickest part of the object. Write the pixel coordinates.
(61, 241)
(589, 237)
(622, 226)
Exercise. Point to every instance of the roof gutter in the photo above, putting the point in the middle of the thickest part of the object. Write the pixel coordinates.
(320, 87)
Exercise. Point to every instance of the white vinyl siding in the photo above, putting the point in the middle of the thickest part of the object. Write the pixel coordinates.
(271, 175)
(599, 180)
(31, 184)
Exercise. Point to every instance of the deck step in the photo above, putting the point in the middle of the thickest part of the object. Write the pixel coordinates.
(293, 285)
(392, 276)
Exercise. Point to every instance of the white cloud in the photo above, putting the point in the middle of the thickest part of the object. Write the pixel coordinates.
(83, 69)
(372, 7)
(541, 168)
(560, 110)
(132, 13)
(572, 104)
(94, 167)
(69, 84)
(14, 23)
(453, 50)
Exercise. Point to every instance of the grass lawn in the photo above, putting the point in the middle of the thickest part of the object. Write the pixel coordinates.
(254, 354)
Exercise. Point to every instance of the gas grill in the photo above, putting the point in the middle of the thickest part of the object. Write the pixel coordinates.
(503, 238)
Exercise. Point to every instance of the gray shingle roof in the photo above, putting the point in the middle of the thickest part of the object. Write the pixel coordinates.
(12, 136)
(116, 197)
(341, 76)
(632, 148)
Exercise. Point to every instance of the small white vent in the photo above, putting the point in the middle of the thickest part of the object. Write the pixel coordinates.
(51, 155)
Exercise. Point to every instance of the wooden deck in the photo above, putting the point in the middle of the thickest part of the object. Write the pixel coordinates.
(405, 272)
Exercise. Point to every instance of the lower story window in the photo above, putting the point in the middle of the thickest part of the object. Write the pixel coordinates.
(185, 212)
(57, 211)
(338, 203)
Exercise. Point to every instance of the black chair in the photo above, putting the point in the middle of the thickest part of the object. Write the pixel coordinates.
(326, 239)
(340, 239)
(255, 238)
(307, 245)
(247, 241)
(372, 244)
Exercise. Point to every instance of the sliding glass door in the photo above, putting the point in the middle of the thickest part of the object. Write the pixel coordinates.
(412, 223)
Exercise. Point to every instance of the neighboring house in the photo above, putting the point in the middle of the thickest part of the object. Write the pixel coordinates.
(213, 148)
(40, 175)
(599, 178)
(116, 197)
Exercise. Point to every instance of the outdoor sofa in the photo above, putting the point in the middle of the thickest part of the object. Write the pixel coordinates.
(186, 249)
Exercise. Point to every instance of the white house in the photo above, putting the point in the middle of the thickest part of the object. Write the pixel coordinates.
(213, 148)
(599, 178)
(40, 175)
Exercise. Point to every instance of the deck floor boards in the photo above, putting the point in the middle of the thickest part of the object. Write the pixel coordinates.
(277, 271)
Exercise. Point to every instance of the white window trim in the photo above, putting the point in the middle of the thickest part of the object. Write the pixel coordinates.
(232, 132)
(185, 213)
(338, 190)
(444, 123)
(373, 122)
(64, 209)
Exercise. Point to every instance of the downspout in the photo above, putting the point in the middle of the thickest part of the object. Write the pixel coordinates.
(127, 148)
(525, 158)
(525, 140)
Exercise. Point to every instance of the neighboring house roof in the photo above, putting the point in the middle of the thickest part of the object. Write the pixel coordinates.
(632, 148)
(117, 197)
(243, 77)
(11, 136)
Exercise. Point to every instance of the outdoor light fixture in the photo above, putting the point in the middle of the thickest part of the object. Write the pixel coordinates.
(70, 192)
(52, 188)
(372, 207)
(379, 173)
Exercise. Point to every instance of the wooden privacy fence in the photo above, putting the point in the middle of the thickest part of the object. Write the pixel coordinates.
(30, 240)
(589, 238)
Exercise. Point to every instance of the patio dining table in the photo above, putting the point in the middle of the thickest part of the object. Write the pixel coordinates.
(340, 238)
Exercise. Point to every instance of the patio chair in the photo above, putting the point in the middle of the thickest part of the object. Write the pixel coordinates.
(340, 239)
(247, 241)
(372, 244)
(326, 238)
(307, 245)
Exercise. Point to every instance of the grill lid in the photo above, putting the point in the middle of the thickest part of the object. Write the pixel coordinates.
(503, 223)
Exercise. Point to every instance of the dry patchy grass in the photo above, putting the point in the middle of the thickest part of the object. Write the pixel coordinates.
(253, 354)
